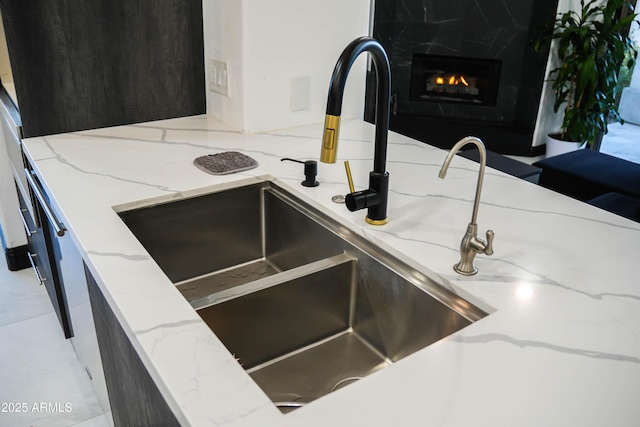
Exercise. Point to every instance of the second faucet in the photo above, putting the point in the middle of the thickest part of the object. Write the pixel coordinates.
(471, 244)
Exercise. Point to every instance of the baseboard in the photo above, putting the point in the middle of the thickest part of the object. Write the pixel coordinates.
(17, 258)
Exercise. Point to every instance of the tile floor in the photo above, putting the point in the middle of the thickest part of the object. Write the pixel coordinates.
(37, 365)
(39, 371)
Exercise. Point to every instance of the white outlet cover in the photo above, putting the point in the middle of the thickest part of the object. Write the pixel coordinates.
(218, 80)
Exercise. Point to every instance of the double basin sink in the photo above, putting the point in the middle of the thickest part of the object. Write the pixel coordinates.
(305, 305)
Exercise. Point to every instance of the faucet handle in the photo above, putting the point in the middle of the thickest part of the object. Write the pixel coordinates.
(488, 249)
(349, 177)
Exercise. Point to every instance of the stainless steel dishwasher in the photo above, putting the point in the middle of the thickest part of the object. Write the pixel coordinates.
(15, 240)
(43, 229)
(70, 284)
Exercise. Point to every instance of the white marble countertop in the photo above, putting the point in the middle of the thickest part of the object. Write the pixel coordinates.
(562, 343)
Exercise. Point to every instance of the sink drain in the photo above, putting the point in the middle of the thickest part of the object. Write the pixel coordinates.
(287, 402)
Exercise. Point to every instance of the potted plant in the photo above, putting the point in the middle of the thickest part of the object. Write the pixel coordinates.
(592, 45)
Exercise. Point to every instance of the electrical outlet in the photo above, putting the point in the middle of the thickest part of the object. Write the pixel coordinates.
(218, 77)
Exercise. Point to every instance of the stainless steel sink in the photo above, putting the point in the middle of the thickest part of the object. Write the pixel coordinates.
(305, 305)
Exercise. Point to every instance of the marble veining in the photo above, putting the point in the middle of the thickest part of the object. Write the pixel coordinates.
(120, 255)
(488, 338)
(63, 161)
(561, 289)
(165, 326)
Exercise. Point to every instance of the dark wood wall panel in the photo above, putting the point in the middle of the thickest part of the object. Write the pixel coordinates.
(95, 63)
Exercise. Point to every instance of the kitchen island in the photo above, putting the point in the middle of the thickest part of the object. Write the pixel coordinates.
(561, 343)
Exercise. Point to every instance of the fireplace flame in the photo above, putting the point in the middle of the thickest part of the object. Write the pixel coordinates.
(453, 83)
(451, 80)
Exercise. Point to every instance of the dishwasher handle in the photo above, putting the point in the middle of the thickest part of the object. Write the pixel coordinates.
(37, 191)
(27, 229)
(39, 277)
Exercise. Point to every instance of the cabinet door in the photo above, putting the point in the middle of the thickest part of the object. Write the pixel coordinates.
(84, 340)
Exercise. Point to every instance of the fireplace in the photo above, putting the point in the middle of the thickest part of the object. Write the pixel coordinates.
(438, 78)
(464, 68)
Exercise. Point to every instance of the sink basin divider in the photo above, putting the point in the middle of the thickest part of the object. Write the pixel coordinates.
(194, 280)
(269, 281)
(226, 278)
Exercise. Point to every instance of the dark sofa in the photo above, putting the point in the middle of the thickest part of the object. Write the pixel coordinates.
(596, 178)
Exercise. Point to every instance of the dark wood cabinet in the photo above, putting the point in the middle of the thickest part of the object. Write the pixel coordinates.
(97, 63)
(135, 398)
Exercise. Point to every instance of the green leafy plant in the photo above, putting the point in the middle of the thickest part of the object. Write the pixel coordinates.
(592, 46)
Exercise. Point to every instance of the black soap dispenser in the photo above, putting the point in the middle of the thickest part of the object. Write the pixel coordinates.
(310, 172)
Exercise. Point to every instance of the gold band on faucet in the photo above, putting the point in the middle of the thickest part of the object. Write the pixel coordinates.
(376, 221)
(329, 151)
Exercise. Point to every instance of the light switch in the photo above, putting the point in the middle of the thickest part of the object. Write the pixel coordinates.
(218, 77)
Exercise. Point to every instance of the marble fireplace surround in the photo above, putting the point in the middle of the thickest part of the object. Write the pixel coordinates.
(504, 31)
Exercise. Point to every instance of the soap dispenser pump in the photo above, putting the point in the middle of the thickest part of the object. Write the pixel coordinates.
(310, 172)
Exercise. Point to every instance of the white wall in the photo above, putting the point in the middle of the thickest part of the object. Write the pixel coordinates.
(222, 26)
(267, 44)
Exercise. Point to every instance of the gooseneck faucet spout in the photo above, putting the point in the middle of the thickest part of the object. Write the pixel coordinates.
(471, 244)
(375, 197)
